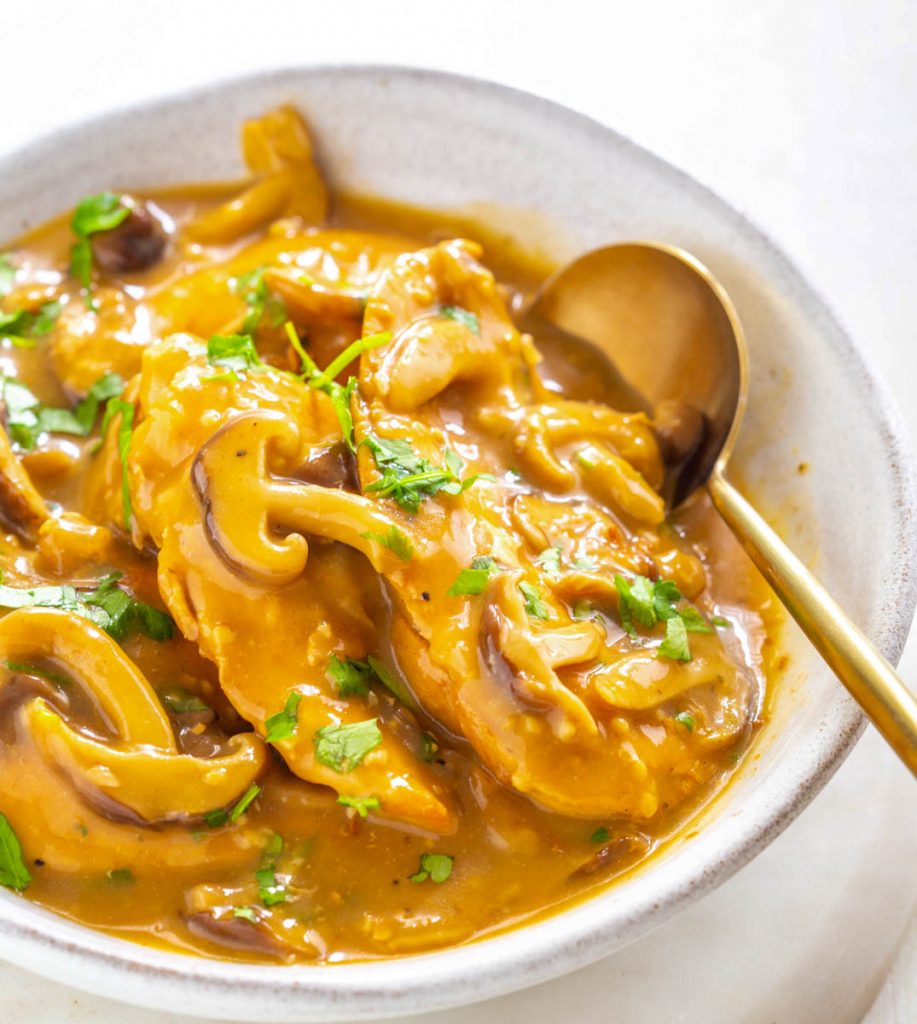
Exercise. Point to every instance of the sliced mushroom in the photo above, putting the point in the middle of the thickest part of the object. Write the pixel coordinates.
(21, 506)
(136, 244)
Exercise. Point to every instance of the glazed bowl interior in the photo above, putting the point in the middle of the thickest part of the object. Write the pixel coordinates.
(558, 183)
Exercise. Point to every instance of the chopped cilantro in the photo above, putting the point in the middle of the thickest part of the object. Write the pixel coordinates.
(282, 725)
(350, 677)
(600, 835)
(181, 701)
(647, 602)
(585, 563)
(217, 818)
(342, 747)
(474, 580)
(28, 417)
(108, 606)
(583, 610)
(13, 872)
(244, 802)
(23, 328)
(462, 316)
(720, 622)
(115, 407)
(549, 560)
(121, 876)
(7, 274)
(361, 804)
(324, 380)
(390, 681)
(395, 540)
(675, 644)
(534, 603)
(30, 669)
(686, 720)
(270, 890)
(428, 748)
(262, 304)
(246, 913)
(100, 212)
(235, 353)
(409, 479)
(435, 866)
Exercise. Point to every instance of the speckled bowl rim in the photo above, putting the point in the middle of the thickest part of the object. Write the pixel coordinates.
(41, 941)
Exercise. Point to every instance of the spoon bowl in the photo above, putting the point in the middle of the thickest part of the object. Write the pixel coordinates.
(672, 345)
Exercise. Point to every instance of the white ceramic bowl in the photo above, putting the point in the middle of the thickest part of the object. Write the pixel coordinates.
(562, 183)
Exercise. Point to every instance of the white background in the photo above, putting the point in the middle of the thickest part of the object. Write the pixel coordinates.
(802, 113)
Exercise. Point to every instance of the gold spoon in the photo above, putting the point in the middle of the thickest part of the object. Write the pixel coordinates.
(652, 329)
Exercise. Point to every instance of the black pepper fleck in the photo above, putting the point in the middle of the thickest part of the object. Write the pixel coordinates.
(425, 595)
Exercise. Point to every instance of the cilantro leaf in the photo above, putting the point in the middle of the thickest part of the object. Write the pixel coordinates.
(435, 866)
(585, 563)
(675, 644)
(181, 701)
(686, 720)
(115, 407)
(390, 681)
(270, 890)
(534, 603)
(100, 212)
(361, 804)
(350, 677)
(108, 606)
(324, 380)
(282, 725)
(244, 802)
(23, 328)
(234, 352)
(693, 620)
(246, 913)
(395, 540)
(474, 580)
(462, 316)
(13, 872)
(7, 274)
(262, 303)
(600, 835)
(342, 747)
(409, 479)
(549, 560)
(121, 876)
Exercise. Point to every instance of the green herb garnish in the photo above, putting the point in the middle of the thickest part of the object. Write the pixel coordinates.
(115, 407)
(720, 622)
(395, 540)
(121, 876)
(462, 316)
(13, 872)
(361, 804)
(181, 701)
(435, 866)
(7, 274)
(390, 681)
(246, 913)
(429, 748)
(108, 606)
(24, 328)
(474, 580)
(262, 303)
(409, 479)
(647, 603)
(600, 835)
(350, 677)
(100, 212)
(686, 720)
(282, 725)
(549, 560)
(31, 669)
(270, 891)
(324, 380)
(235, 353)
(534, 603)
(675, 644)
(244, 802)
(28, 417)
(342, 747)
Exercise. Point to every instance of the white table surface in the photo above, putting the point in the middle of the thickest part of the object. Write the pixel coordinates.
(802, 114)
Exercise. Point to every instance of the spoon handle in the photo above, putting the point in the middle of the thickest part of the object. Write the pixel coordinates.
(870, 680)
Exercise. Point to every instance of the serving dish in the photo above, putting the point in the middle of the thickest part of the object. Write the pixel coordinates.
(519, 155)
